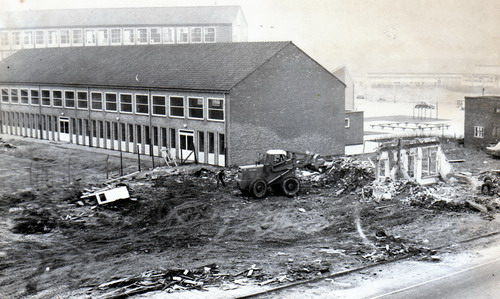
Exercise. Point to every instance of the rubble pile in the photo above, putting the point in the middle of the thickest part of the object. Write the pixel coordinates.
(440, 196)
(343, 174)
(303, 271)
(166, 280)
(386, 247)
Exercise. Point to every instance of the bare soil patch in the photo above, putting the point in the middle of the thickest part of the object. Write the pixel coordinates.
(53, 243)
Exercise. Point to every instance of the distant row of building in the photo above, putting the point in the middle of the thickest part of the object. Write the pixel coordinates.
(123, 26)
(483, 76)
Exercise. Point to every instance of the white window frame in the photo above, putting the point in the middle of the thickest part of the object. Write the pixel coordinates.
(347, 122)
(191, 30)
(223, 110)
(52, 34)
(20, 40)
(5, 39)
(77, 99)
(42, 97)
(74, 99)
(67, 44)
(44, 40)
(153, 104)
(135, 103)
(150, 35)
(120, 37)
(131, 103)
(31, 43)
(53, 98)
(138, 36)
(171, 33)
(105, 40)
(2, 89)
(106, 101)
(170, 106)
(17, 95)
(179, 31)
(478, 132)
(21, 96)
(85, 37)
(205, 35)
(197, 108)
(92, 101)
(72, 37)
(132, 38)
(39, 97)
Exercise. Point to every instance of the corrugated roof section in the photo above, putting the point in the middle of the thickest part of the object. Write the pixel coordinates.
(217, 66)
(105, 17)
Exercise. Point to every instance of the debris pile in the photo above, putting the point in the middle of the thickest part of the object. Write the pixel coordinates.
(386, 247)
(439, 196)
(343, 174)
(166, 280)
(35, 221)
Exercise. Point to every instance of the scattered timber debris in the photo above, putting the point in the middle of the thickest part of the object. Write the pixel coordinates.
(389, 246)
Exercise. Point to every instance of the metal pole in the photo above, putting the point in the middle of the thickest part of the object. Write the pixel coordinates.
(121, 163)
(151, 151)
(138, 158)
(69, 171)
(107, 169)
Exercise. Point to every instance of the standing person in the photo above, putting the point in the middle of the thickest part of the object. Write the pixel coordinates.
(220, 178)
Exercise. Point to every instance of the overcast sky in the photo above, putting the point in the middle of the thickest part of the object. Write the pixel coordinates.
(364, 35)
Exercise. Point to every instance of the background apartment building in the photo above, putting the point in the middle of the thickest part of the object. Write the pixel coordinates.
(120, 26)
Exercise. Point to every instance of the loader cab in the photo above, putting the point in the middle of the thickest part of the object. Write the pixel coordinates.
(274, 157)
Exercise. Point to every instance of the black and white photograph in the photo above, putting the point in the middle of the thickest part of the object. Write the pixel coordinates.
(234, 149)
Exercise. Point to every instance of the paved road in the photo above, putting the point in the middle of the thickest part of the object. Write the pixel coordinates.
(480, 281)
(473, 273)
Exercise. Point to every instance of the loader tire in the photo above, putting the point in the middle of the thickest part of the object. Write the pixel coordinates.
(258, 188)
(290, 186)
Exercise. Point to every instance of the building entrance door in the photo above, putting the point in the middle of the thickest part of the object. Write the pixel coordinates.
(64, 128)
(186, 142)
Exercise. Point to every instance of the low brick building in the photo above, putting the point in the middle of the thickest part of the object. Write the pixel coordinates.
(482, 120)
(218, 103)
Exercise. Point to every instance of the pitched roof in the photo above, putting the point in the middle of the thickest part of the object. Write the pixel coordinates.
(187, 15)
(217, 66)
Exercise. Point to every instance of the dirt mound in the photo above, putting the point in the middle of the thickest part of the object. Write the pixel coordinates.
(39, 221)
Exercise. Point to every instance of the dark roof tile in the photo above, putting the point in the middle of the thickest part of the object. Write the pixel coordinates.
(217, 66)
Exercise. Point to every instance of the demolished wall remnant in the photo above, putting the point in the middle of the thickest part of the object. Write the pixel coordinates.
(420, 160)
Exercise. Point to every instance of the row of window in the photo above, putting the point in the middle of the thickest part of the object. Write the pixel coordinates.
(173, 106)
(106, 36)
(79, 131)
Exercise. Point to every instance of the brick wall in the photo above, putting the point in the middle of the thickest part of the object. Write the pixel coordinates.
(354, 134)
(289, 103)
(482, 112)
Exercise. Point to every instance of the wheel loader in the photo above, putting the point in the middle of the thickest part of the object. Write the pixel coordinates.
(275, 169)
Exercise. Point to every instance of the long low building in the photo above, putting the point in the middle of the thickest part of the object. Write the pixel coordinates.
(218, 103)
(92, 27)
